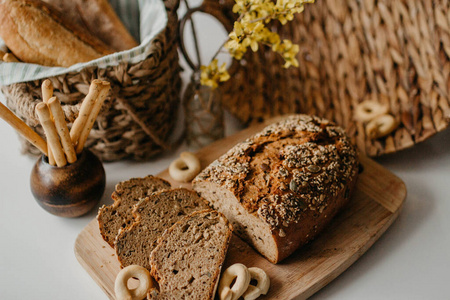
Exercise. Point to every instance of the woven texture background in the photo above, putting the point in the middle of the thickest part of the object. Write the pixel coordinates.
(137, 118)
(393, 51)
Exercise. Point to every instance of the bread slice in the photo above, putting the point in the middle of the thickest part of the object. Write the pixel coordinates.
(189, 256)
(127, 194)
(153, 216)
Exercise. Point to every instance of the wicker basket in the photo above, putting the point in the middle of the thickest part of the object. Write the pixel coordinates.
(394, 51)
(137, 118)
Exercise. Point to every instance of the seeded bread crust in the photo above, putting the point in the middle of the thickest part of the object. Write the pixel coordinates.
(153, 215)
(281, 187)
(127, 193)
(189, 256)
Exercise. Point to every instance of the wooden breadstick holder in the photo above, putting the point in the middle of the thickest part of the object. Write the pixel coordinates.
(68, 190)
(72, 189)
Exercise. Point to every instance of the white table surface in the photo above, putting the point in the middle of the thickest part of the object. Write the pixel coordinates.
(410, 261)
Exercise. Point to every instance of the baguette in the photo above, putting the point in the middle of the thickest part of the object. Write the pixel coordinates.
(36, 33)
(99, 18)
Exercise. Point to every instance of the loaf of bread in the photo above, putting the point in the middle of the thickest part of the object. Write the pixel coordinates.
(127, 194)
(187, 261)
(281, 187)
(99, 18)
(153, 215)
(36, 33)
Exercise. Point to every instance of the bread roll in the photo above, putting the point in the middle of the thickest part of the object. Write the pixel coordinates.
(281, 187)
(99, 18)
(36, 33)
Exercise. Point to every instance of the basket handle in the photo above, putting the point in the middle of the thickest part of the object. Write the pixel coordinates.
(214, 10)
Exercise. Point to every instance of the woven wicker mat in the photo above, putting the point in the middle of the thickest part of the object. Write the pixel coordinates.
(392, 51)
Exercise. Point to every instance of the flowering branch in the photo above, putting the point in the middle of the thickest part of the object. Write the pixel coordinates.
(250, 31)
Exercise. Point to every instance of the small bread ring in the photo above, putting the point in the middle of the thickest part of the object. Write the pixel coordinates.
(381, 126)
(369, 109)
(185, 168)
(121, 284)
(261, 288)
(242, 275)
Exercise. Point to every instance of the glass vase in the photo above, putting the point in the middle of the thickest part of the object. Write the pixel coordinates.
(203, 114)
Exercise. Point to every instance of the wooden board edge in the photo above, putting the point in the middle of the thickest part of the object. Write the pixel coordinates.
(349, 262)
(400, 191)
(86, 266)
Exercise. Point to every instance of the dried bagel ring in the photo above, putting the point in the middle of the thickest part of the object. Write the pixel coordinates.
(121, 284)
(262, 286)
(369, 109)
(241, 275)
(185, 168)
(381, 126)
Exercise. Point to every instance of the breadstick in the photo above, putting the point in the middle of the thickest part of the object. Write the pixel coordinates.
(9, 57)
(63, 131)
(86, 107)
(47, 90)
(21, 127)
(51, 133)
(47, 93)
(93, 115)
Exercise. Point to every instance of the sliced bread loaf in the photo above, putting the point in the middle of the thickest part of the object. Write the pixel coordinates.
(282, 186)
(187, 261)
(153, 216)
(127, 194)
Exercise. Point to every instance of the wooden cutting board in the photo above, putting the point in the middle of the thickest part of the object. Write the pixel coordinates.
(376, 203)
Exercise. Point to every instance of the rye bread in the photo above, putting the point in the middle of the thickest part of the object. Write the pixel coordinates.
(187, 261)
(127, 193)
(153, 215)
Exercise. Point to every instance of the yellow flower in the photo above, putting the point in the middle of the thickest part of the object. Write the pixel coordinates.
(250, 30)
(212, 74)
(288, 51)
(223, 73)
